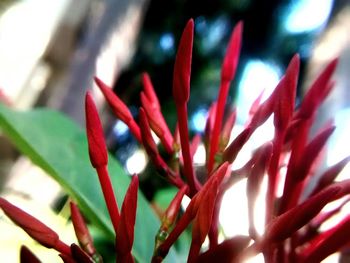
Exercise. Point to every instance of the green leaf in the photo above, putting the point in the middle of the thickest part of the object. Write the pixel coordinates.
(164, 196)
(59, 146)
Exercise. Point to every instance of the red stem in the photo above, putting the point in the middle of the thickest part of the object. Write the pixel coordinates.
(128, 258)
(185, 149)
(215, 135)
(298, 145)
(108, 193)
(194, 252)
(135, 130)
(272, 175)
(63, 248)
(179, 227)
(214, 228)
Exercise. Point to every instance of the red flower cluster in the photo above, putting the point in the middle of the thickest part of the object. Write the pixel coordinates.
(292, 232)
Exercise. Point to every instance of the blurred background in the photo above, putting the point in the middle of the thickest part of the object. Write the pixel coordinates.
(50, 51)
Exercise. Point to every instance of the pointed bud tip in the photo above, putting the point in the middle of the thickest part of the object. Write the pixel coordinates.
(190, 24)
(135, 180)
(296, 57)
(100, 83)
(96, 142)
(334, 62)
(125, 230)
(149, 91)
(146, 135)
(182, 68)
(293, 67)
(239, 28)
(32, 226)
(232, 53)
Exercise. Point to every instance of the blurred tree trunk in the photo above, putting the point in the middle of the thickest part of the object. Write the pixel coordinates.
(112, 24)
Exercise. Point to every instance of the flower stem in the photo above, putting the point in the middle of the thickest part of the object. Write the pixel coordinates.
(185, 148)
(63, 248)
(109, 196)
(215, 136)
(272, 175)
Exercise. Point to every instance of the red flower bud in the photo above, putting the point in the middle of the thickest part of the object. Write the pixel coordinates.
(157, 123)
(152, 151)
(236, 145)
(170, 216)
(33, 227)
(317, 92)
(149, 91)
(327, 243)
(190, 212)
(323, 217)
(299, 168)
(203, 220)
(344, 188)
(228, 72)
(98, 156)
(312, 150)
(313, 228)
(119, 108)
(82, 232)
(291, 133)
(173, 209)
(125, 231)
(146, 135)
(255, 105)
(230, 62)
(181, 92)
(264, 111)
(286, 224)
(330, 174)
(182, 68)
(97, 146)
(284, 103)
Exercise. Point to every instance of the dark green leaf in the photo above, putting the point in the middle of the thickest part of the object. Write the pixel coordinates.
(59, 146)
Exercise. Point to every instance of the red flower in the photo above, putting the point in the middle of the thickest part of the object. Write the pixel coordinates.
(125, 230)
(293, 220)
(97, 146)
(151, 105)
(119, 108)
(228, 72)
(82, 233)
(98, 157)
(34, 228)
(181, 93)
(286, 224)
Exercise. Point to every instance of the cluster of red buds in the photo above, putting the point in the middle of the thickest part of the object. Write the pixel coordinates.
(292, 224)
